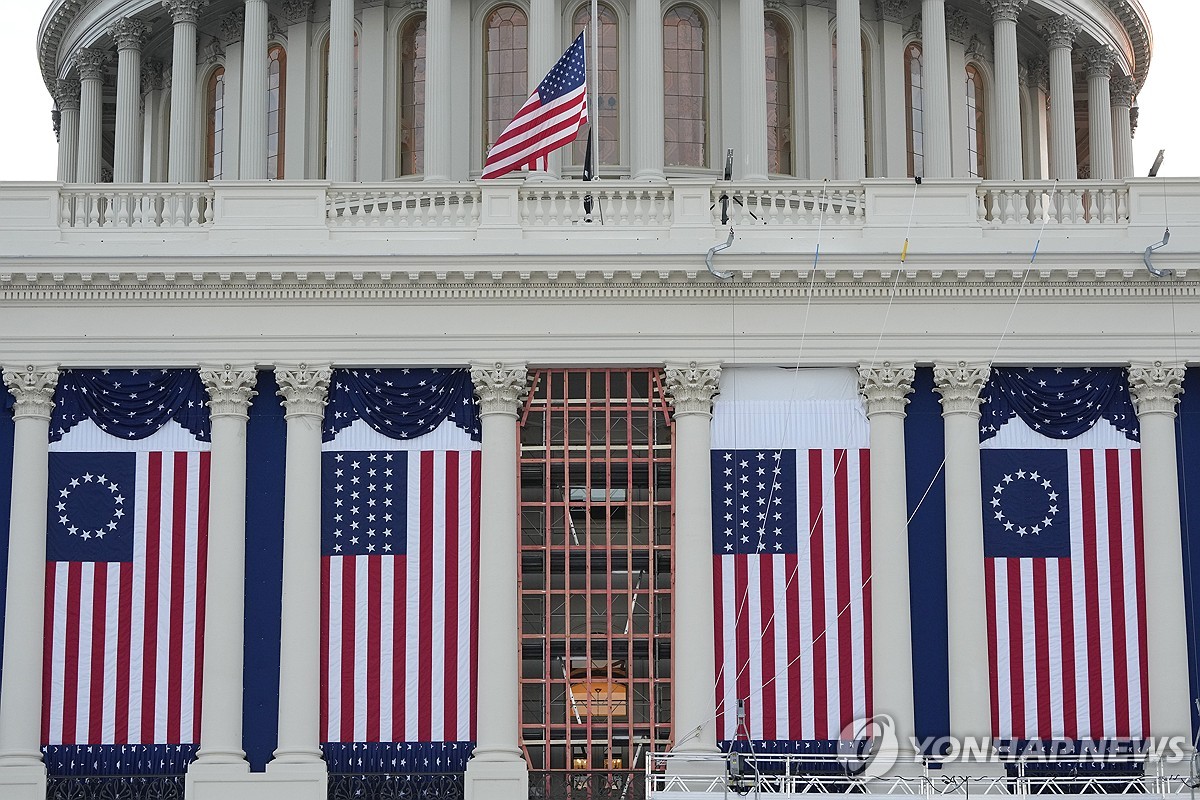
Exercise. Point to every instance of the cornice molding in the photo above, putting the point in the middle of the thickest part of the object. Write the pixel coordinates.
(230, 389)
(959, 384)
(885, 387)
(500, 387)
(1155, 386)
(32, 389)
(304, 389)
(692, 386)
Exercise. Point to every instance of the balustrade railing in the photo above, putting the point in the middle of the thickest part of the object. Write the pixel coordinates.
(417, 205)
(136, 206)
(788, 203)
(1053, 203)
(617, 203)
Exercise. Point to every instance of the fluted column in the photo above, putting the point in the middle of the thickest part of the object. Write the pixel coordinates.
(959, 384)
(542, 54)
(1100, 61)
(893, 14)
(92, 66)
(253, 163)
(1121, 99)
(692, 387)
(128, 34)
(1155, 388)
(885, 389)
(1060, 34)
(230, 389)
(935, 64)
(753, 158)
(497, 770)
(339, 130)
(21, 690)
(438, 67)
(298, 15)
(851, 114)
(648, 131)
(66, 97)
(304, 390)
(1006, 131)
(183, 155)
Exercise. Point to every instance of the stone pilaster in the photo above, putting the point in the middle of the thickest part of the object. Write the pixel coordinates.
(1060, 33)
(935, 60)
(692, 387)
(298, 15)
(893, 10)
(252, 164)
(647, 107)
(851, 119)
(753, 156)
(497, 770)
(339, 126)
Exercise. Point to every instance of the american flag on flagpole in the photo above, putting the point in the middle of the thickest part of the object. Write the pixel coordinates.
(549, 119)
(126, 551)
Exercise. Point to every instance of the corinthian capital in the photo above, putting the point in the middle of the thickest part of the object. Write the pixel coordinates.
(692, 386)
(304, 389)
(1060, 31)
(893, 10)
(958, 25)
(296, 11)
(184, 10)
(501, 388)
(1121, 90)
(128, 33)
(66, 94)
(885, 387)
(1155, 387)
(230, 389)
(91, 64)
(1099, 60)
(959, 384)
(33, 390)
(233, 26)
(1005, 10)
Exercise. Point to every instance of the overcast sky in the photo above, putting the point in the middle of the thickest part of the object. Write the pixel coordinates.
(1169, 118)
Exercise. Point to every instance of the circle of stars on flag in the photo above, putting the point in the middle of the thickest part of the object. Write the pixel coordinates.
(79, 486)
(1037, 480)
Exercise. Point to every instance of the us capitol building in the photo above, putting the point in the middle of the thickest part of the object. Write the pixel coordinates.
(842, 413)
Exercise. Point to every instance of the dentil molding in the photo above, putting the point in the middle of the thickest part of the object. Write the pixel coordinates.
(692, 386)
(885, 387)
(1155, 387)
(500, 387)
(33, 390)
(959, 384)
(230, 389)
(304, 389)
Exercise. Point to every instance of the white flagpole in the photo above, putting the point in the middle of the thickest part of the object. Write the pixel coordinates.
(594, 111)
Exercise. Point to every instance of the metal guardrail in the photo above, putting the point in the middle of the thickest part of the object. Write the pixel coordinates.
(397, 786)
(115, 787)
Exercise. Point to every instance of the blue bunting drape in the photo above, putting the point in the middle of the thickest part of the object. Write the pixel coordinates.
(1058, 402)
(370, 758)
(402, 403)
(118, 759)
(130, 403)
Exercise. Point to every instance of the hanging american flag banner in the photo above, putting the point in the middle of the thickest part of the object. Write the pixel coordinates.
(399, 566)
(126, 557)
(1064, 565)
(791, 551)
(549, 119)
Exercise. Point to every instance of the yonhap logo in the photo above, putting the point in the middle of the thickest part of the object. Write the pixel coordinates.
(868, 747)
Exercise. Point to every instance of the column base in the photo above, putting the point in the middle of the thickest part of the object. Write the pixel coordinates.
(302, 780)
(23, 782)
(506, 779)
(236, 782)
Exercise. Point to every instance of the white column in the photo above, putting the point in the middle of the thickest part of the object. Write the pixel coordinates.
(66, 96)
(957, 36)
(373, 81)
(818, 52)
(183, 157)
(1121, 100)
(692, 387)
(1155, 388)
(647, 118)
(851, 115)
(959, 384)
(542, 52)
(1100, 61)
(128, 34)
(1006, 129)
(753, 158)
(885, 389)
(339, 129)
(304, 390)
(1060, 34)
(1037, 162)
(497, 769)
(438, 68)
(91, 64)
(892, 16)
(154, 134)
(298, 14)
(230, 389)
(934, 61)
(253, 162)
(22, 774)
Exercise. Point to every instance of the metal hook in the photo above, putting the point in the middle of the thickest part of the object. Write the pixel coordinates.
(1158, 273)
(712, 251)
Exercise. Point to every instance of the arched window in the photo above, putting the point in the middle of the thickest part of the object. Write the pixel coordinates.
(685, 88)
(325, 102)
(412, 96)
(505, 70)
(976, 149)
(914, 102)
(214, 103)
(276, 98)
(779, 96)
(607, 118)
(866, 69)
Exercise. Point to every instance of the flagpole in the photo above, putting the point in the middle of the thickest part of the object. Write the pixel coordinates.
(594, 111)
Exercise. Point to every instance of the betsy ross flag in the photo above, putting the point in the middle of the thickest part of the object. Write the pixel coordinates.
(399, 558)
(549, 119)
(1064, 559)
(791, 550)
(126, 550)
